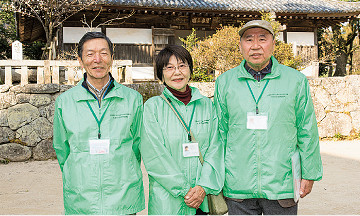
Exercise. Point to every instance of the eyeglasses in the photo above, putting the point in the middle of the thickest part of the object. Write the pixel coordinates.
(172, 69)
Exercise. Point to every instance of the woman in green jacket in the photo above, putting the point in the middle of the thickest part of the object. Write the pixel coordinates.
(178, 182)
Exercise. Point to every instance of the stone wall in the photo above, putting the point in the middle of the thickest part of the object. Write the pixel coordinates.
(26, 117)
(26, 113)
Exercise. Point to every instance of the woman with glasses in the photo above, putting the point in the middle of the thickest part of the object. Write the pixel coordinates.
(178, 182)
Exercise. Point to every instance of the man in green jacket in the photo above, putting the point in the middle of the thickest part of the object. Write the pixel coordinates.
(266, 119)
(97, 135)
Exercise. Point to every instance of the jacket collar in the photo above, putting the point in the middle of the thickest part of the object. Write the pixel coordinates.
(83, 94)
(195, 95)
(246, 75)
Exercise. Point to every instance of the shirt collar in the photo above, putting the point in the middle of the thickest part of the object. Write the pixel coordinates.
(264, 71)
(95, 89)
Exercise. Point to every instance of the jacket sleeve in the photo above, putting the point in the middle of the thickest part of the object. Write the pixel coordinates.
(60, 142)
(136, 127)
(157, 159)
(307, 134)
(213, 170)
(223, 116)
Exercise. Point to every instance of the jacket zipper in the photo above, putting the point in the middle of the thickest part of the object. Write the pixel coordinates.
(259, 156)
(100, 180)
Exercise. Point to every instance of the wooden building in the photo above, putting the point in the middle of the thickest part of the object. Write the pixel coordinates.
(156, 23)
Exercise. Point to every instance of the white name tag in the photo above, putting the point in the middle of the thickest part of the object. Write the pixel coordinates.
(257, 121)
(190, 149)
(99, 146)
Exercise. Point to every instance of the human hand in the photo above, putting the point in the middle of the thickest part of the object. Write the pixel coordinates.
(195, 197)
(305, 187)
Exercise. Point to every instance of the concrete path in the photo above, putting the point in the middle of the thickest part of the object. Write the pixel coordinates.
(36, 188)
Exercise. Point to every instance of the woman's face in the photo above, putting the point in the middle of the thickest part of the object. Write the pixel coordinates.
(176, 74)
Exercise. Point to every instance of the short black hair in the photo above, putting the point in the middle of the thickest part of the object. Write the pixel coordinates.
(94, 35)
(162, 60)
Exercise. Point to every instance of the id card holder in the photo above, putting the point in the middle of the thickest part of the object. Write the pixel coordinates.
(191, 149)
(99, 146)
(257, 121)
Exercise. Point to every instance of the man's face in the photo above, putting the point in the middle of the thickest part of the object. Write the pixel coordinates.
(257, 46)
(96, 58)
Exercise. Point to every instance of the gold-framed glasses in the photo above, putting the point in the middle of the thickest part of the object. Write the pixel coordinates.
(172, 68)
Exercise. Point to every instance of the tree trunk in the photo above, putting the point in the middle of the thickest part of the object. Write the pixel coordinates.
(341, 61)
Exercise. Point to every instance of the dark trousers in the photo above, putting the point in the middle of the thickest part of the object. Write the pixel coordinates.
(258, 207)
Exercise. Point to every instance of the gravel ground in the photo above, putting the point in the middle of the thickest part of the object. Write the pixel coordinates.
(35, 187)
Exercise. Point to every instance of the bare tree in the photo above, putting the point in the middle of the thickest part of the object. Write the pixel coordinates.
(51, 14)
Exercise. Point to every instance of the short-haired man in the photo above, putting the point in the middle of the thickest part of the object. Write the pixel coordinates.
(97, 135)
(266, 116)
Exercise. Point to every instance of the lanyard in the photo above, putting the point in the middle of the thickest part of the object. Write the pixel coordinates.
(181, 119)
(252, 94)
(96, 119)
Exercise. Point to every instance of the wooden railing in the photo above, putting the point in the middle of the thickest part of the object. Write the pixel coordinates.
(47, 71)
(307, 53)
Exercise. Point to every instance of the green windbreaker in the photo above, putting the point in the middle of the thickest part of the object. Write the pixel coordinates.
(258, 162)
(170, 174)
(100, 183)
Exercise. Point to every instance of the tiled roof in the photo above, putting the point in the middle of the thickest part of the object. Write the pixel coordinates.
(277, 6)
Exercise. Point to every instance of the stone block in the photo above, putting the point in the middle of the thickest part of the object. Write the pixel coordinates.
(353, 83)
(315, 82)
(4, 88)
(64, 88)
(22, 98)
(48, 111)
(333, 84)
(355, 116)
(15, 152)
(36, 88)
(335, 123)
(6, 134)
(42, 127)
(7, 100)
(21, 114)
(321, 96)
(44, 150)
(40, 99)
(28, 135)
(3, 118)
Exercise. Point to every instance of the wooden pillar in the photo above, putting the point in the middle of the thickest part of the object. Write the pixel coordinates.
(61, 46)
(316, 54)
(153, 50)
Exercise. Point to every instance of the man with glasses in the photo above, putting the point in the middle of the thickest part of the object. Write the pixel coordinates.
(268, 124)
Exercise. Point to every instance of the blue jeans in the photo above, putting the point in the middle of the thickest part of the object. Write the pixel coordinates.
(258, 207)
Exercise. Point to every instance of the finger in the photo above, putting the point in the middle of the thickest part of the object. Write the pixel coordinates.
(195, 204)
(189, 193)
(302, 188)
(305, 187)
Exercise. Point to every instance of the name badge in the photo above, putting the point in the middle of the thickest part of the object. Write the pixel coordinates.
(257, 121)
(99, 146)
(190, 149)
